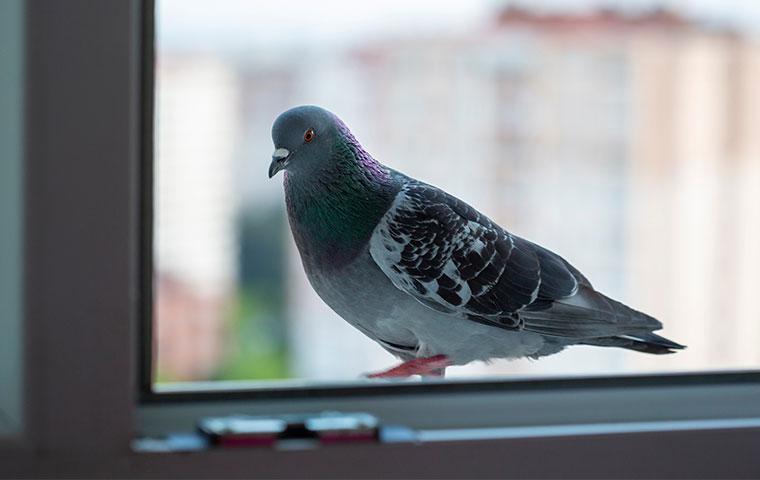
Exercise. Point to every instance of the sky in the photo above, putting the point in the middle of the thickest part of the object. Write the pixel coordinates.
(246, 23)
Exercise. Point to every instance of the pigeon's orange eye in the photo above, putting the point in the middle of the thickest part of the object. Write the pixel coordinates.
(309, 135)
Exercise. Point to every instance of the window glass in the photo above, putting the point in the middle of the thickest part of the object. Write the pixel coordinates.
(621, 135)
(11, 211)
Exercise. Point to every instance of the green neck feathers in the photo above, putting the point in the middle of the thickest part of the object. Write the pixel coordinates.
(333, 213)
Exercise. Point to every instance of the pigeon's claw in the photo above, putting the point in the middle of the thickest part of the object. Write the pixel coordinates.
(434, 366)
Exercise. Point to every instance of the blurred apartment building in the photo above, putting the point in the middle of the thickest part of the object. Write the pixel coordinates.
(197, 127)
(695, 192)
(627, 143)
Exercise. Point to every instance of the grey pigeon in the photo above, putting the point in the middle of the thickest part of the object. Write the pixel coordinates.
(432, 280)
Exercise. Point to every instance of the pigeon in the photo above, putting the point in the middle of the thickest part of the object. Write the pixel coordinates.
(425, 275)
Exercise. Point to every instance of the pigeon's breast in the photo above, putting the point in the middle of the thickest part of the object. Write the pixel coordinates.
(364, 296)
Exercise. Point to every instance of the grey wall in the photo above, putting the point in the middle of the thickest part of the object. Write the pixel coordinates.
(11, 171)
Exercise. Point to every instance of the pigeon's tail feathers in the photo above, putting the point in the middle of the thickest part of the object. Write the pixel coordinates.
(655, 339)
(595, 319)
(646, 342)
(586, 315)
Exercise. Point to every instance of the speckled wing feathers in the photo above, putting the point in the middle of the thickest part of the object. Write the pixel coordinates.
(455, 260)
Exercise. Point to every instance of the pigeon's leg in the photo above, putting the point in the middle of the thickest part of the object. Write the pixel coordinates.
(430, 366)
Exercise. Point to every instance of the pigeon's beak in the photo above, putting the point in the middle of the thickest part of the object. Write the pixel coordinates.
(280, 159)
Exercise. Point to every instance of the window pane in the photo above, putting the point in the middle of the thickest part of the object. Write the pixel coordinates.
(11, 211)
(622, 138)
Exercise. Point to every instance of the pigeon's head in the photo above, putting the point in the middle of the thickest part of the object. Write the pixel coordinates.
(303, 139)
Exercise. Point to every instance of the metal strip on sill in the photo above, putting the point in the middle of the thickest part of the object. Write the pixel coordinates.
(398, 434)
(464, 434)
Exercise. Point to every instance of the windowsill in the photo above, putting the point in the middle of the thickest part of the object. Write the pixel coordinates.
(656, 450)
(542, 403)
(550, 430)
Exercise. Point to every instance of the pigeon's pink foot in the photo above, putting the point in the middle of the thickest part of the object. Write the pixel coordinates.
(434, 366)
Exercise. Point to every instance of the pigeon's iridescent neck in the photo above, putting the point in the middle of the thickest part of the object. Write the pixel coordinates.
(333, 213)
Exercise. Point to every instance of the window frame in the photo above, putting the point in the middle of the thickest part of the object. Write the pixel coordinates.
(83, 307)
(146, 350)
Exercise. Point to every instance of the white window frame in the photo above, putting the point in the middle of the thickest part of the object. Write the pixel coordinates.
(83, 305)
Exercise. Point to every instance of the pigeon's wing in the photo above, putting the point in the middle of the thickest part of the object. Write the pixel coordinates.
(455, 260)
